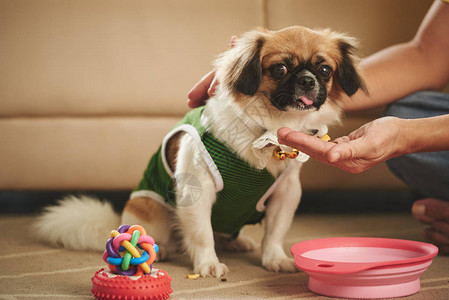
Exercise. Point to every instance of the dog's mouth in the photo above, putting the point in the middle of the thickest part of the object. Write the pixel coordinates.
(304, 103)
(306, 100)
(298, 99)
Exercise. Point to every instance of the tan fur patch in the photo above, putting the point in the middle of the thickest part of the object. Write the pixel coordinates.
(171, 150)
(303, 44)
(146, 209)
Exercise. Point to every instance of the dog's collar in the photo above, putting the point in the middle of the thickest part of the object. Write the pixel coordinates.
(281, 154)
(267, 146)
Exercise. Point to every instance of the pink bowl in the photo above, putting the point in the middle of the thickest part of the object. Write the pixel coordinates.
(363, 268)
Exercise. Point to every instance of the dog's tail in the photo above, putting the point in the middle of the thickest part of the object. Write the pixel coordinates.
(80, 223)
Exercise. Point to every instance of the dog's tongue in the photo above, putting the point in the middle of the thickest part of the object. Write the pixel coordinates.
(306, 100)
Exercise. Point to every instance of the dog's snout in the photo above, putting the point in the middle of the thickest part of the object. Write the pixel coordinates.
(307, 83)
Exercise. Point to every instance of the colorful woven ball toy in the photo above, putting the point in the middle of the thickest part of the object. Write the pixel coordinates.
(125, 240)
(130, 253)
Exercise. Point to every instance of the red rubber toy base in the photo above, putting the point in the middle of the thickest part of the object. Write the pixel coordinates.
(152, 286)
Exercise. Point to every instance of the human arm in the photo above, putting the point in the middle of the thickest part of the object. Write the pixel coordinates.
(395, 72)
(373, 143)
(399, 70)
(202, 90)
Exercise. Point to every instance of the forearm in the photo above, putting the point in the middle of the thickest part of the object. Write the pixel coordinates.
(387, 75)
(397, 71)
(426, 135)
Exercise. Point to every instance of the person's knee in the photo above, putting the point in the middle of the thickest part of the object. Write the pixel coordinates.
(419, 105)
(406, 107)
(426, 173)
(401, 167)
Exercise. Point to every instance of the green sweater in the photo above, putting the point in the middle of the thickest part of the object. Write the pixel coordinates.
(242, 187)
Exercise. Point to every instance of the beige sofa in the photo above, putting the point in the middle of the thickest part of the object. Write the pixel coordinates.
(89, 88)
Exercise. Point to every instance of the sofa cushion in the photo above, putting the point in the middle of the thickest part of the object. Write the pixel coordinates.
(111, 57)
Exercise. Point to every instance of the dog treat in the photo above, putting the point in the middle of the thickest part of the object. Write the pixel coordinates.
(326, 138)
(193, 276)
(130, 253)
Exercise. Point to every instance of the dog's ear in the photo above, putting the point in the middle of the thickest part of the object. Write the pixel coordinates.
(240, 67)
(347, 73)
(249, 71)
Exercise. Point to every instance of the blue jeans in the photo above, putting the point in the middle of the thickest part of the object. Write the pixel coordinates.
(427, 173)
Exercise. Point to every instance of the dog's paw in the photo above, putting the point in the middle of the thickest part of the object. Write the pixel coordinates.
(286, 265)
(215, 269)
(241, 244)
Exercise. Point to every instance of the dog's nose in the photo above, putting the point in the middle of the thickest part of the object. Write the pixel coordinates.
(307, 83)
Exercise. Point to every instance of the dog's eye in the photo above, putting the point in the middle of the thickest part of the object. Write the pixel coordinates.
(278, 71)
(325, 71)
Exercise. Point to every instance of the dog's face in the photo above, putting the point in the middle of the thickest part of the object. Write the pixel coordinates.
(295, 68)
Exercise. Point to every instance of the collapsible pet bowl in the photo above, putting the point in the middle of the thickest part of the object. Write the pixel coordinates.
(363, 268)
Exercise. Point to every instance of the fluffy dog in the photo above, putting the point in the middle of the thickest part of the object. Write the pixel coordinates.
(216, 172)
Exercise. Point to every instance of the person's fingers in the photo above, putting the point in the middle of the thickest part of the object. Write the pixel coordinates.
(441, 227)
(419, 211)
(310, 145)
(282, 134)
(234, 40)
(198, 94)
(342, 151)
(431, 210)
(436, 237)
(343, 139)
(296, 139)
(213, 87)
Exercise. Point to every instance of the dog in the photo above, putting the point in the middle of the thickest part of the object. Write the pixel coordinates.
(215, 171)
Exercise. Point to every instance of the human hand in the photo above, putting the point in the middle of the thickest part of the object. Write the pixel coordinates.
(206, 87)
(365, 147)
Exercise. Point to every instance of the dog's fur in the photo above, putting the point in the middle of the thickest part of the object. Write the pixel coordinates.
(297, 76)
